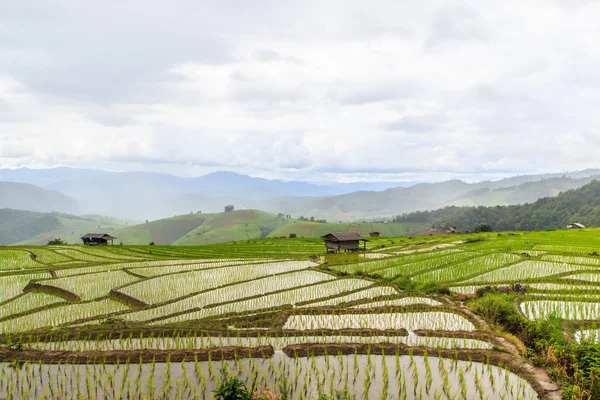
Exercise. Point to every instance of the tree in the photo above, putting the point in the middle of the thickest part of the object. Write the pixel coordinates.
(55, 242)
(483, 228)
(229, 208)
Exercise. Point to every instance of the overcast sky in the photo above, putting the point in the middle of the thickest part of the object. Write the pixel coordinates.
(305, 90)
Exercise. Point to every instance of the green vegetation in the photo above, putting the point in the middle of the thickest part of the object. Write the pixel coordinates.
(431, 196)
(279, 314)
(578, 205)
(240, 225)
(32, 228)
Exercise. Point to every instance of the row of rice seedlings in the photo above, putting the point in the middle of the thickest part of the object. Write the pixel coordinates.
(418, 267)
(567, 248)
(177, 285)
(588, 336)
(56, 316)
(171, 269)
(469, 289)
(526, 270)
(258, 248)
(16, 260)
(471, 267)
(244, 289)
(572, 259)
(413, 263)
(239, 305)
(496, 244)
(12, 285)
(404, 301)
(369, 376)
(119, 266)
(47, 256)
(27, 302)
(563, 295)
(571, 287)
(369, 293)
(100, 251)
(569, 310)
(91, 286)
(585, 276)
(425, 249)
(427, 320)
(132, 343)
(376, 256)
(79, 255)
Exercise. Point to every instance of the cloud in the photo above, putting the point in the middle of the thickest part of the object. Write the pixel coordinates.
(456, 23)
(267, 55)
(342, 90)
(416, 124)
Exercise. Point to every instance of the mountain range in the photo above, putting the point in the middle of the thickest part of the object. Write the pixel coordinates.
(150, 196)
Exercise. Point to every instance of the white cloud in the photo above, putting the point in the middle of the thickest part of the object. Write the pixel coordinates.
(317, 90)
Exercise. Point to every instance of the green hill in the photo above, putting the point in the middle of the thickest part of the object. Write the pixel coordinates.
(196, 229)
(33, 228)
(431, 196)
(577, 205)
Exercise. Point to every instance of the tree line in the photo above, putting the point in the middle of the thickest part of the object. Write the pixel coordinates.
(577, 205)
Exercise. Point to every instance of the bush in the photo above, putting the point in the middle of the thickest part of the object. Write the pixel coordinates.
(16, 347)
(231, 388)
(56, 242)
(483, 228)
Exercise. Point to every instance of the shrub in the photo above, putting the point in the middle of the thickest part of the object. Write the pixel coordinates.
(16, 347)
(231, 388)
(483, 228)
(55, 242)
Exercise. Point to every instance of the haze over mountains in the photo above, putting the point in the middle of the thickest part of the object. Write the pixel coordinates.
(150, 196)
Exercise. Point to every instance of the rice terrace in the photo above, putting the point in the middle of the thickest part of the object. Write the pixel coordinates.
(409, 318)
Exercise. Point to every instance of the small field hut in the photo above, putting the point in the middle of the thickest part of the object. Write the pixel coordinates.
(94, 239)
(576, 225)
(374, 234)
(347, 241)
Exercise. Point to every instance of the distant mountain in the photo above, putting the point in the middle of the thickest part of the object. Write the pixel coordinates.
(151, 196)
(27, 227)
(430, 196)
(580, 205)
(33, 198)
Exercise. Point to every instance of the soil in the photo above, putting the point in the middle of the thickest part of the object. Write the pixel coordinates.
(146, 356)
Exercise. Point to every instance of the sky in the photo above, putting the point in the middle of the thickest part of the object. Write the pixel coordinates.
(302, 90)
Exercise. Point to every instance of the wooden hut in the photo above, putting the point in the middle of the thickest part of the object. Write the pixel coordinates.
(347, 241)
(374, 234)
(94, 239)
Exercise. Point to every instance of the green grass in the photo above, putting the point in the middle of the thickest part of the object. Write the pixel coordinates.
(240, 225)
(72, 229)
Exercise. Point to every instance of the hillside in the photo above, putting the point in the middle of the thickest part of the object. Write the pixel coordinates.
(196, 229)
(32, 228)
(151, 196)
(431, 196)
(29, 197)
(577, 205)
